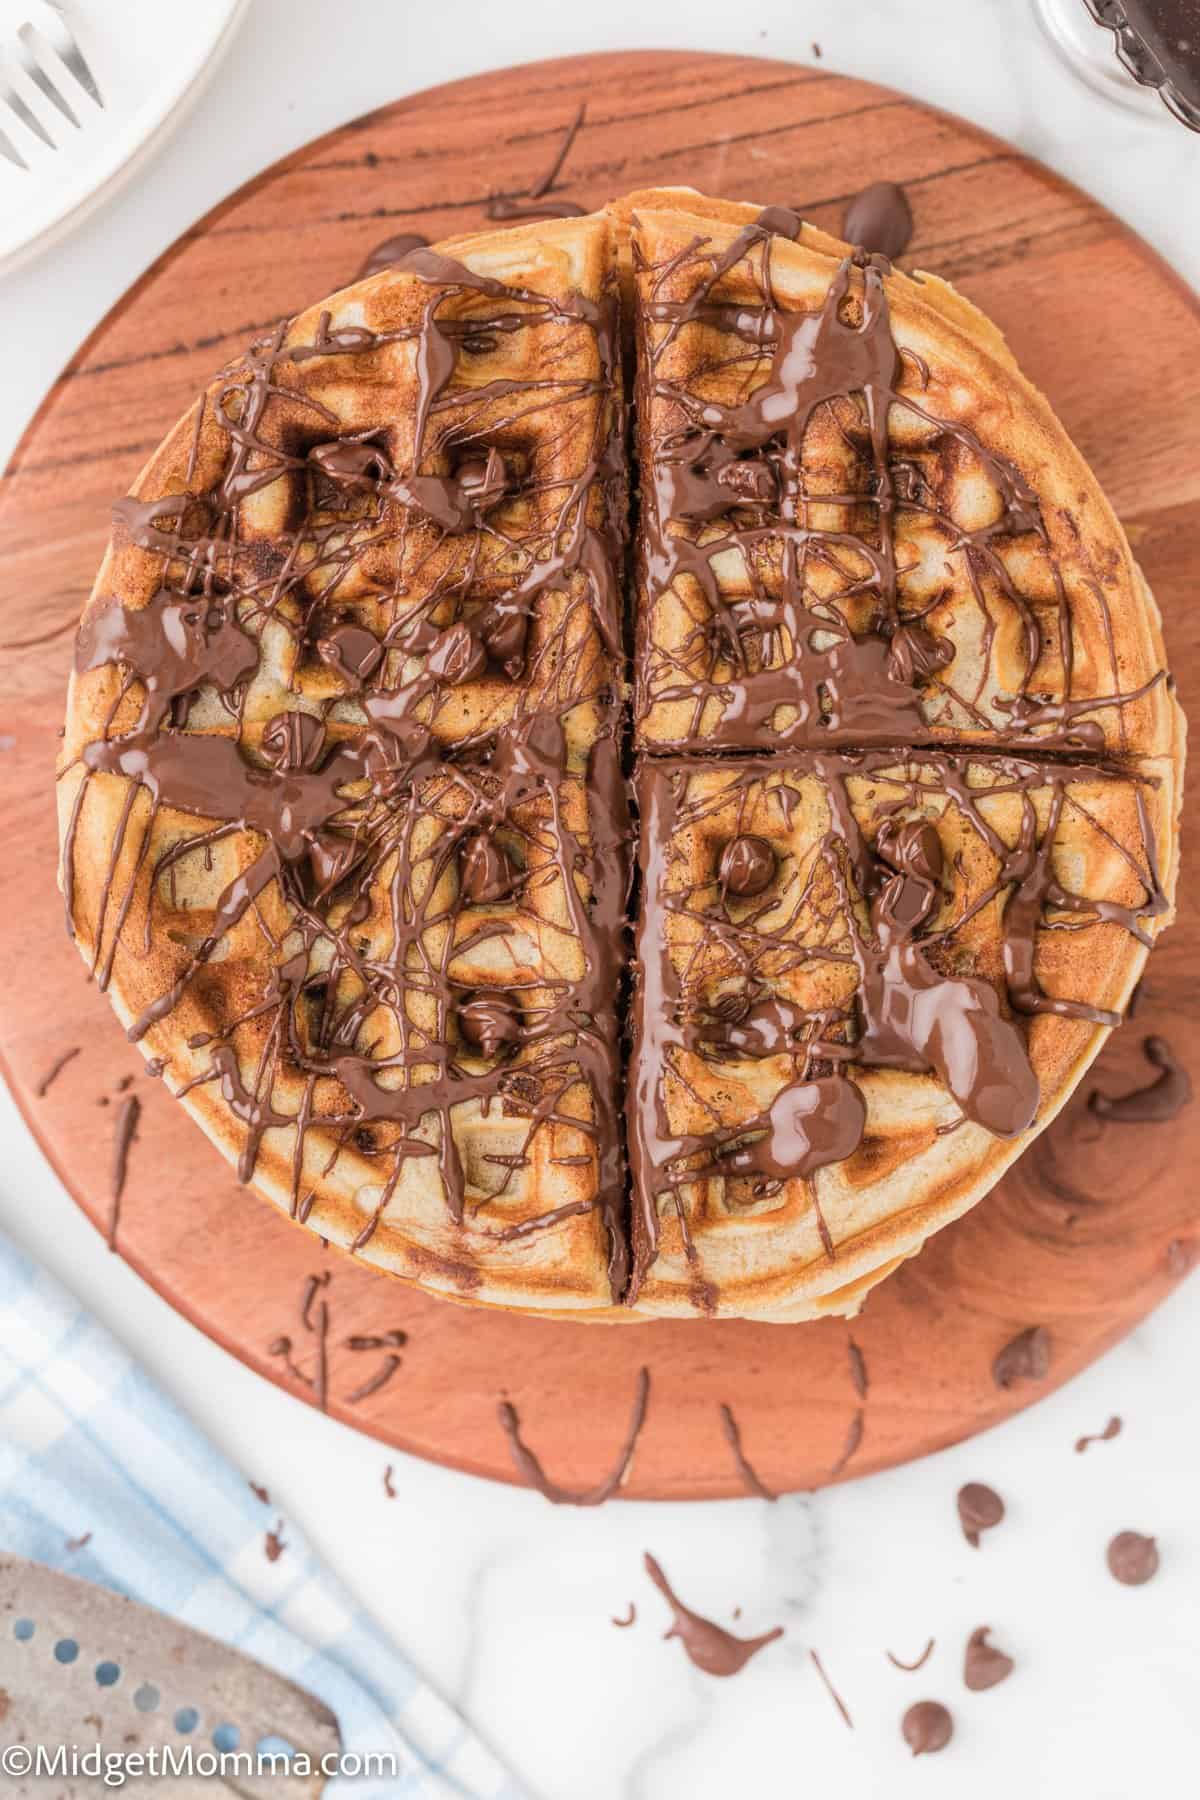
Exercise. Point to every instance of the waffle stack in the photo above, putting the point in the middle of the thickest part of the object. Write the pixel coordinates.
(344, 786)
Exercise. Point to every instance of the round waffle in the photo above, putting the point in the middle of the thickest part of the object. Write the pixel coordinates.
(343, 788)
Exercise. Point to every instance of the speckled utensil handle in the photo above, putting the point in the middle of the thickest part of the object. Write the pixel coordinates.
(82, 1667)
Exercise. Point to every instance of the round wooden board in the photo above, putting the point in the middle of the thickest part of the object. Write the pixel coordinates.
(1095, 1224)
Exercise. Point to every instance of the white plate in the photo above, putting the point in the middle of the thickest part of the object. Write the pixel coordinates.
(150, 59)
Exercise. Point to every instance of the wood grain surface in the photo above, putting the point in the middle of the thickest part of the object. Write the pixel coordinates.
(1095, 1224)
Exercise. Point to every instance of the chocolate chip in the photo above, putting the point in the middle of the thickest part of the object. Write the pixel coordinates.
(1024, 1358)
(504, 635)
(456, 655)
(492, 1022)
(879, 219)
(927, 1727)
(1132, 1558)
(983, 1665)
(979, 1508)
(747, 866)
(487, 873)
(912, 847)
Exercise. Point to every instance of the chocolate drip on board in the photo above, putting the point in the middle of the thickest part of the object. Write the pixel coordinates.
(530, 1469)
(538, 203)
(1162, 1100)
(391, 251)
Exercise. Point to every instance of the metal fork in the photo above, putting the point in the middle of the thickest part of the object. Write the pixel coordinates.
(47, 25)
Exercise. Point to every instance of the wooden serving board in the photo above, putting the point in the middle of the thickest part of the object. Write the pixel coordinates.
(1095, 1224)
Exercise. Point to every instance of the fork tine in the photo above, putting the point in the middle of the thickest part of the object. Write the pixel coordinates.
(9, 149)
(17, 105)
(36, 74)
(59, 32)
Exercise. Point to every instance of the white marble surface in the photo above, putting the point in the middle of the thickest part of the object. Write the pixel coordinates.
(504, 1600)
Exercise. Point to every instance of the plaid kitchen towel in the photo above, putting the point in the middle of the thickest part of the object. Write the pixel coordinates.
(86, 1437)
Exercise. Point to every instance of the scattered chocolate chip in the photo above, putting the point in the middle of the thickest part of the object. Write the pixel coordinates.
(1111, 1430)
(983, 1665)
(260, 1493)
(1024, 1358)
(1132, 1558)
(389, 1486)
(979, 1509)
(623, 1624)
(273, 1544)
(927, 1727)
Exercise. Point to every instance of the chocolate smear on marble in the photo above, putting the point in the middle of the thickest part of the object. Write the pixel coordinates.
(1025, 1357)
(1156, 1104)
(531, 1470)
(389, 1485)
(75, 1544)
(260, 1493)
(927, 1727)
(910, 1668)
(123, 1136)
(819, 1666)
(980, 1508)
(707, 1645)
(1132, 1559)
(983, 1665)
(1111, 1430)
(630, 1619)
(43, 1086)
(273, 1544)
(879, 220)
(745, 1469)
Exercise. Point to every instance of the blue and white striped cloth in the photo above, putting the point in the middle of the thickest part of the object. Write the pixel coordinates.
(88, 1442)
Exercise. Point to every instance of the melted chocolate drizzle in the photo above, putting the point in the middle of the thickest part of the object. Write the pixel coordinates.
(1156, 1104)
(338, 813)
(332, 800)
(538, 205)
(531, 1470)
(745, 1468)
(706, 1644)
(730, 481)
(908, 1011)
